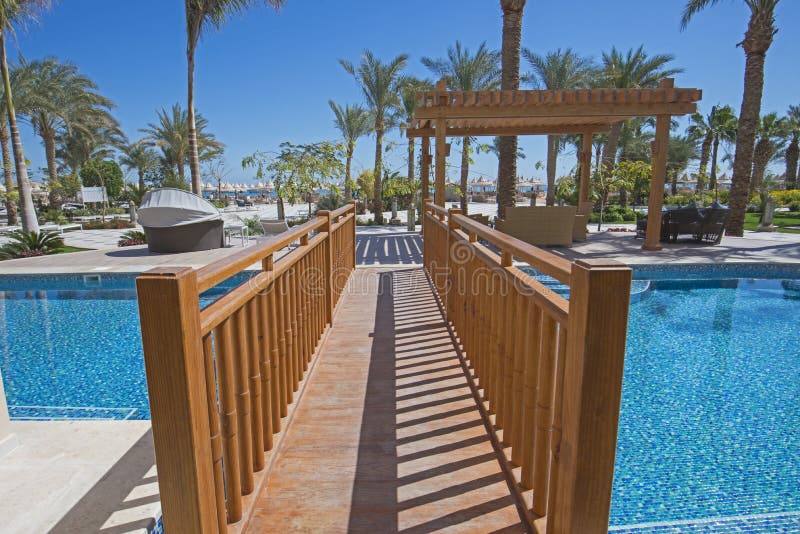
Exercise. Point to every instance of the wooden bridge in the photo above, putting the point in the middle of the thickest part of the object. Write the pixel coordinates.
(463, 394)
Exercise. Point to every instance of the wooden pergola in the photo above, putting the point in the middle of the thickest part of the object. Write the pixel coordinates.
(440, 114)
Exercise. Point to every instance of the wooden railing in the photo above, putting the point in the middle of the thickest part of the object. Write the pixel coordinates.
(221, 379)
(548, 368)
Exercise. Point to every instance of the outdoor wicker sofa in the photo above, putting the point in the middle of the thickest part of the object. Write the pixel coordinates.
(551, 225)
(179, 221)
(703, 224)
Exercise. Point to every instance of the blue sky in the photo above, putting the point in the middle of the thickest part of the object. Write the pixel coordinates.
(266, 77)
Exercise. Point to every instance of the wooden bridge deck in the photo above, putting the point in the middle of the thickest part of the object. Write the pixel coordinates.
(387, 436)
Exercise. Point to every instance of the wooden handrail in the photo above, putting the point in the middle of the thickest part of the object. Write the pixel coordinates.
(548, 369)
(212, 274)
(221, 379)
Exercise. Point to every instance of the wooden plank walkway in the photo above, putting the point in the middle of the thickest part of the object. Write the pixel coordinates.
(387, 437)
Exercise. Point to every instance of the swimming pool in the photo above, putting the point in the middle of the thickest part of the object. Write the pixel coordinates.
(709, 437)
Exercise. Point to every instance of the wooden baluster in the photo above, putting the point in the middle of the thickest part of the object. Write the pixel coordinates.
(230, 420)
(214, 431)
(544, 415)
(521, 348)
(278, 396)
(254, 352)
(555, 435)
(286, 297)
(241, 360)
(510, 326)
(533, 342)
(499, 354)
(265, 370)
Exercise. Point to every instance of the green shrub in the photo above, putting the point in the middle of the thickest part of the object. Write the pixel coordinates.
(331, 202)
(27, 244)
(786, 198)
(794, 206)
(54, 216)
(132, 238)
(253, 225)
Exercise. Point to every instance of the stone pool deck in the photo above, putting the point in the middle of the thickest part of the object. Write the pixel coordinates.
(79, 476)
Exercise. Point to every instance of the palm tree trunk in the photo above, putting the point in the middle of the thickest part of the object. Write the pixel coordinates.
(377, 203)
(194, 156)
(705, 152)
(712, 183)
(552, 160)
(8, 174)
(761, 157)
(49, 139)
(464, 173)
(610, 149)
(141, 179)
(757, 41)
(181, 164)
(792, 155)
(507, 153)
(28, 212)
(348, 177)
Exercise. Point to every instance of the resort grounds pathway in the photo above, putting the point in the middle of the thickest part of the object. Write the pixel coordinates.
(388, 436)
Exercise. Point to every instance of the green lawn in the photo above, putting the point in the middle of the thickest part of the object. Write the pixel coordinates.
(782, 220)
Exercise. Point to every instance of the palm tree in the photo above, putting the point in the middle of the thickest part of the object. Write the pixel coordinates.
(381, 83)
(633, 69)
(61, 100)
(772, 134)
(681, 150)
(353, 122)
(14, 12)
(509, 81)
(757, 40)
(467, 72)
(20, 91)
(199, 15)
(409, 86)
(140, 157)
(700, 130)
(94, 136)
(171, 134)
(557, 70)
(793, 150)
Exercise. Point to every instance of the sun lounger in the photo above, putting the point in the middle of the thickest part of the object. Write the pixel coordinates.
(60, 228)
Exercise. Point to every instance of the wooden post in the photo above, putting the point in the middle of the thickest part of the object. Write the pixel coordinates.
(328, 274)
(592, 388)
(652, 240)
(585, 156)
(169, 313)
(425, 168)
(441, 162)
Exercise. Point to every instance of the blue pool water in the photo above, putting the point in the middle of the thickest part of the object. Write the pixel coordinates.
(709, 437)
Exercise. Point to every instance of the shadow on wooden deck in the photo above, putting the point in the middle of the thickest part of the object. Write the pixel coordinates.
(388, 436)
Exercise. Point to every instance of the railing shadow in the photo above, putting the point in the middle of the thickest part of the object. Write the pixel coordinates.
(402, 248)
(110, 496)
(425, 460)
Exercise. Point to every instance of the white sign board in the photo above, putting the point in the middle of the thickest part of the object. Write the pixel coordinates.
(93, 194)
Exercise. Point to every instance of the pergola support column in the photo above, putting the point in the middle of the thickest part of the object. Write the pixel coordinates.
(652, 240)
(441, 158)
(585, 157)
(425, 168)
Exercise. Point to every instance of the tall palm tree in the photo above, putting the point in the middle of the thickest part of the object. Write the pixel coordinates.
(772, 134)
(61, 100)
(464, 71)
(140, 157)
(681, 150)
(793, 150)
(700, 130)
(381, 83)
(171, 134)
(14, 12)
(409, 86)
(723, 123)
(93, 136)
(630, 70)
(557, 70)
(20, 90)
(509, 81)
(353, 122)
(199, 15)
(757, 40)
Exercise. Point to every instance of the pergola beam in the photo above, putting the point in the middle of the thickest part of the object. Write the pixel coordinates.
(477, 131)
(601, 112)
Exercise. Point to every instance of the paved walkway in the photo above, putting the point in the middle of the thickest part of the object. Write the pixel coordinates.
(388, 437)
